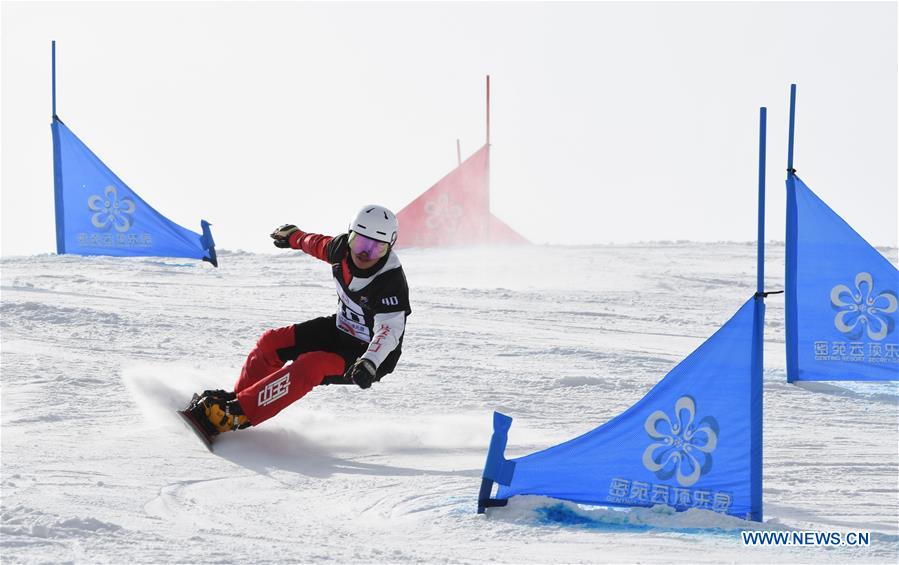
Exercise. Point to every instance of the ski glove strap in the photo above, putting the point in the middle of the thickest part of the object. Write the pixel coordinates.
(362, 373)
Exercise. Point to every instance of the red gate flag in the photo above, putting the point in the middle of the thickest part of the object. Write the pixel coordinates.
(456, 210)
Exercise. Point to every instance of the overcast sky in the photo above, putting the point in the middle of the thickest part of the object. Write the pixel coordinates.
(611, 122)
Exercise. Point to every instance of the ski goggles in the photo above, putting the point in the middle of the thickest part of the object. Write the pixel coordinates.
(372, 248)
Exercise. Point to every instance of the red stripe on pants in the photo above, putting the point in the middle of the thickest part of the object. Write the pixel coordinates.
(268, 396)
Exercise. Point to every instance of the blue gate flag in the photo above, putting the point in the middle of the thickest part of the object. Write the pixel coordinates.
(841, 303)
(98, 214)
(694, 440)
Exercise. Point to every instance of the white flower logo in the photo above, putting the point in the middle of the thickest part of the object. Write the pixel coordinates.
(682, 445)
(441, 212)
(110, 211)
(862, 311)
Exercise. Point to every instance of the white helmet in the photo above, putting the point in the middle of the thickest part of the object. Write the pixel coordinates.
(376, 222)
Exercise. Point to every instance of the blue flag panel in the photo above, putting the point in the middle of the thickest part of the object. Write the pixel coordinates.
(97, 214)
(694, 441)
(841, 297)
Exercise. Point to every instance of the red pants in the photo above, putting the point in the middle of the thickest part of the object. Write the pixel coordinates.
(266, 386)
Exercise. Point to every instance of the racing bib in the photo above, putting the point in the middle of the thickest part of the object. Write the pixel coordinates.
(350, 318)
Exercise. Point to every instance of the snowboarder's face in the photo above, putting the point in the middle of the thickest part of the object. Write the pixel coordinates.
(366, 251)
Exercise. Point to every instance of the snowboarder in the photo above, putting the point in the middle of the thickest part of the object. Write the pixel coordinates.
(359, 344)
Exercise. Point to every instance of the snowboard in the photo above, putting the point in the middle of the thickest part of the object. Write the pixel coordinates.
(196, 428)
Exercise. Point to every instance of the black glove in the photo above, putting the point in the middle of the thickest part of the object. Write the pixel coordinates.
(362, 372)
(282, 235)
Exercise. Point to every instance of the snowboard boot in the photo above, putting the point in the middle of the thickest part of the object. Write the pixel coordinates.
(218, 411)
(218, 394)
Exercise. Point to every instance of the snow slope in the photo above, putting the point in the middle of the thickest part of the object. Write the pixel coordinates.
(97, 352)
